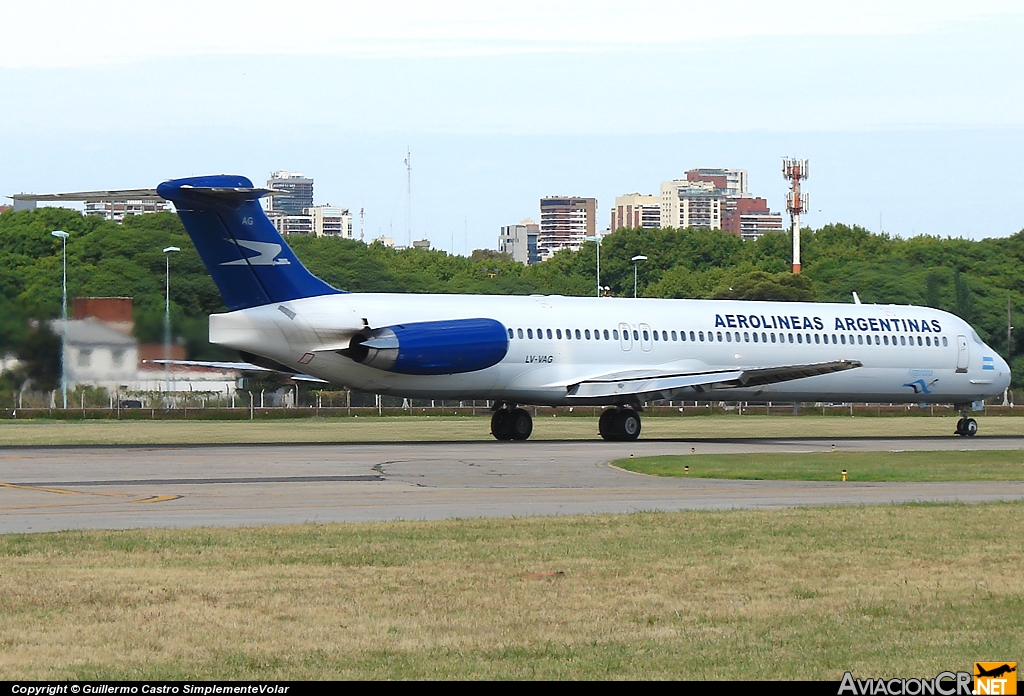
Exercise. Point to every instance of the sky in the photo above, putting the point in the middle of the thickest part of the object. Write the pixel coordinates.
(910, 112)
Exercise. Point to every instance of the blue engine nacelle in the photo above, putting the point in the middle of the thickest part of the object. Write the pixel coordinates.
(431, 347)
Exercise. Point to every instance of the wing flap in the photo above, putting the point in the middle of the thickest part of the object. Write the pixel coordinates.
(240, 366)
(654, 384)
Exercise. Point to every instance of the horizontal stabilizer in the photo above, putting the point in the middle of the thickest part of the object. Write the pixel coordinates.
(87, 196)
(655, 384)
(240, 366)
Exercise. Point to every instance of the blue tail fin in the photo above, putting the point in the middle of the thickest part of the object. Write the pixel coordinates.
(248, 259)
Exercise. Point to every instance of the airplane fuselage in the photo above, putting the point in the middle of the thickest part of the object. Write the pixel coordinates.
(907, 354)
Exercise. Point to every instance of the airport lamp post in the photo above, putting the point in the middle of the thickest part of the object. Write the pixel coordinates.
(597, 239)
(167, 315)
(636, 261)
(63, 236)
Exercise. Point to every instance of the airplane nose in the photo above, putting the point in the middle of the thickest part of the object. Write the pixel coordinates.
(1004, 371)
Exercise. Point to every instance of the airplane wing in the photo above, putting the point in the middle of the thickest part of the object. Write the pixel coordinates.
(240, 366)
(654, 384)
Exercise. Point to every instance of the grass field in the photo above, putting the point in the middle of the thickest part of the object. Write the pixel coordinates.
(981, 465)
(801, 593)
(420, 428)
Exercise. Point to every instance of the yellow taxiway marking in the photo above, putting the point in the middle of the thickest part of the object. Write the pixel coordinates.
(62, 491)
(123, 497)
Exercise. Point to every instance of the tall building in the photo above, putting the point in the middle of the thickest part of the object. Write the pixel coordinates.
(116, 210)
(732, 182)
(565, 223)
(330, 221)
(520, 241)
(634, 211)
(687, 203)
(750, 218)
(713, 198)
(299, 194)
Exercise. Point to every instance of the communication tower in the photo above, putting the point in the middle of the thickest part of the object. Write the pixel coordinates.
(796, 202)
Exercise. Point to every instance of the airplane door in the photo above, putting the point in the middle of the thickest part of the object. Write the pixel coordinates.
(625, 340)
(963, 355)
(645, 337)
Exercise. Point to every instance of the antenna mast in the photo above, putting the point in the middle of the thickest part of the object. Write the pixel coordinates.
(362, 219)
(408, 198)
(796, 202)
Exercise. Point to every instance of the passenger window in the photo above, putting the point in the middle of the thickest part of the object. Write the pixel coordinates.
(701, 335)
(597, 334)
(799, 338)
(928, 340)
(944, 342)
(835, 339)
(842, 338)
(586, 333)
(510, 334)
(636, 335)
(790, 338)
(578, 336)
(673, 335)
(646, 336)
(719, 336)
(755, 337)
(558, 332)
(691, 337)
(773, 337)
(817, 339)
(520, 332)
(860, 339)
(529, 333)
(746, 336)
(615, 334)
(606, 335)
(728, 336)
(656, 337)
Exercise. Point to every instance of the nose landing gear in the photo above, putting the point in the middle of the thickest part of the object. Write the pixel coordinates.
(509, 423)
(619, 424)
(966, 427)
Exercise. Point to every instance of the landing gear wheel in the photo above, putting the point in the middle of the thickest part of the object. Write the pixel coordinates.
(501, 424)
(606, 425)
(627, 424)
(521, 424)
(960, 427)
(619, 424)
(970, 428)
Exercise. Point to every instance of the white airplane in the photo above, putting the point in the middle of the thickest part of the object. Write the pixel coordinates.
(553, 350)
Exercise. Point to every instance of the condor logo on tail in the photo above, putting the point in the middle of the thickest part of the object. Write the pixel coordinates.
(267, 254)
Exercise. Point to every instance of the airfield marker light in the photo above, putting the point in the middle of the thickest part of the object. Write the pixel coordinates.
(693, 450)
(686, 468)
(630, 455)
(833, 448)
(844, 474)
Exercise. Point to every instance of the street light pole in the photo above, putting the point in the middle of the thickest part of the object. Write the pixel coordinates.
(597, 240)
(167, 315)
(63, 236)
(636, 260)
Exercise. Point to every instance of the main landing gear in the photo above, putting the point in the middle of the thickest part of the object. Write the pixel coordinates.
(509, 423)
(967, 427)
(619, 424)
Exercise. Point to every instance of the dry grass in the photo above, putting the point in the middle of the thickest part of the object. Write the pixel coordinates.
(419, 428)
(804, 593)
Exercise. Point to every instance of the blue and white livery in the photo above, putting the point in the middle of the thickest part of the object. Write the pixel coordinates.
(551, 350)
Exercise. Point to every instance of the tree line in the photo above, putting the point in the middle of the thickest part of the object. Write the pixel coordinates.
(972, 279)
